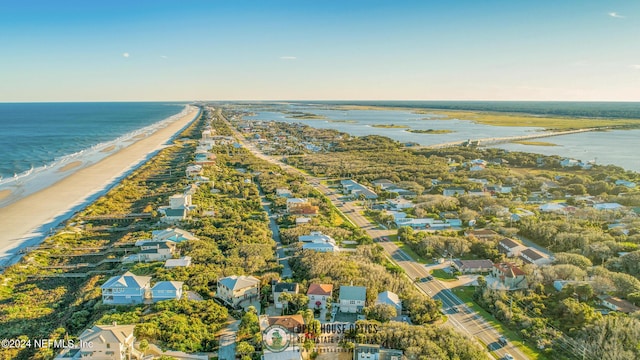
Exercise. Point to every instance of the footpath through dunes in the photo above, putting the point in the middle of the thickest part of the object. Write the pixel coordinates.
(27, 221)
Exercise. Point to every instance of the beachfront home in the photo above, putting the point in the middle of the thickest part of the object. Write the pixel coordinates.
(508, 277)
(184, 261)
(172, 234)
(319, 295)
(383, 184)
(167, 290)
(193, 171)
(126, 289)
(390, 298)
(284, 193)
(108, 342)
(352, 299)
(179, 201)
(174, 215)
(280, 288)
(235, 289)
(152, 251)
(321, 247)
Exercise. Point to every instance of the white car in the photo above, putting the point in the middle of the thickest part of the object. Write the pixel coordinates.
(507, 357)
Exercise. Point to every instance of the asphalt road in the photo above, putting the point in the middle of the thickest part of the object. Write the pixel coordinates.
(460, 316)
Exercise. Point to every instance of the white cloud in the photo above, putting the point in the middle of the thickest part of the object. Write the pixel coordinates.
(288, 58)
(635, 66)
(125, 55)
(616, 15)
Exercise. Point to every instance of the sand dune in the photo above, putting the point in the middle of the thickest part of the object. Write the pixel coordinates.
(26, 222)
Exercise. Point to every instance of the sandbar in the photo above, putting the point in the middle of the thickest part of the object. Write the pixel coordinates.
(108, 148)
(27, 221)
(69, 166)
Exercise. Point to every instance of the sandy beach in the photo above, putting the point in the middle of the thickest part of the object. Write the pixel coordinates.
(27, 221)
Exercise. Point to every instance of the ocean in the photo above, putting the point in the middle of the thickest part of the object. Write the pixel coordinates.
(38, 139)
(617, 147)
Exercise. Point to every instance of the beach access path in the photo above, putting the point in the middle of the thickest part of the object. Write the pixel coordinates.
(27, 221)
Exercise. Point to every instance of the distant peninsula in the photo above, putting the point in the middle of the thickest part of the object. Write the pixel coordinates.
(430, 131)
(304, 115)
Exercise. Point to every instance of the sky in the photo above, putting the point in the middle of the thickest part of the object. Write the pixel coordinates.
(570, 50)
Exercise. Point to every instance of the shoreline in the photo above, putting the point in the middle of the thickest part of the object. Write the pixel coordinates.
(28, 221)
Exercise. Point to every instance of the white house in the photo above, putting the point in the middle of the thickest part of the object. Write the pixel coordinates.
(193, 171)
(167, 290)
(531, 256)
(510, 247)
(234, 289)
(617, 304)
(321, 247)
(280, 288)
(352, 298)
(376, 352)
(453, 191)
(172, 234)
(285, 193)
(608, 206)
(152, 251)
(184, 261)
(108, 342)
(316, 237)
(179, 201)
(400, 203)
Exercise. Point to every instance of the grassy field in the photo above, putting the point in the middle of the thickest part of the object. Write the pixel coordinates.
(547, 122)
(534, 143)
(443, 275)
(465, 293)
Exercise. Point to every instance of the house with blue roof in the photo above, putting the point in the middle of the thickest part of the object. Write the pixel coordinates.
(167, 290)
(126, 289)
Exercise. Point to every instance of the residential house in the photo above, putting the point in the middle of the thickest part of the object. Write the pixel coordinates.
(303, 220)
(172, 234)
(617, 304)
(295, 203)
(510, 247)
(473, 266)
(179, 201)
(608, 206)
(282, 287)
(531, 256)
(453, 191)
(357, 190)
(509, 277)
(234, 289)
(383, 184)
(126, 289)
(422, 223)
(193, 171)
(167, 290)
(482, 234)
(569, 162)
(152, 251)
(108, 342)
(293, 323)
(390, 298)
(626, 183)
(284, 193)
(376, 352)
(319, 295)
(173, 215)
(553, 207)
(454, 222)
(321, 247)
(400, 203)
(352, 298)
(184, 261)
(317, 237)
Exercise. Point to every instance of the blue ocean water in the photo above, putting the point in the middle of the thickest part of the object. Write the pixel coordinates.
(37, 135)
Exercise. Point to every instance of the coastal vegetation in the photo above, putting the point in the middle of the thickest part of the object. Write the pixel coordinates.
(389, 126)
